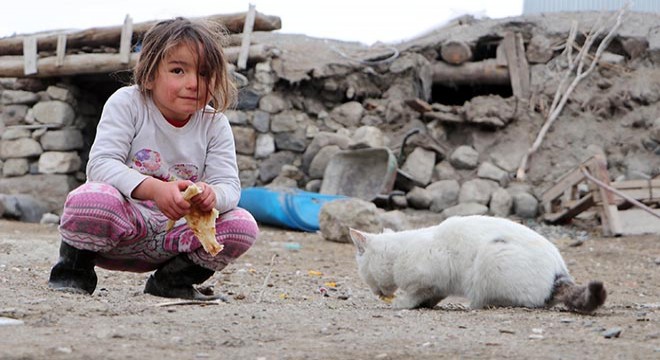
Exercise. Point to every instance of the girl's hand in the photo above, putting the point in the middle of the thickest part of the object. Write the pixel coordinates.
(205, 200)
(167, 196)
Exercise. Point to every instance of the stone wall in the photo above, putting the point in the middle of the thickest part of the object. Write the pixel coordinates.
(460, 158)
(43, 146)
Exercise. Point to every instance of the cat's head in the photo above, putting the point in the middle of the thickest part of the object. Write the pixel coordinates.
(371, 265)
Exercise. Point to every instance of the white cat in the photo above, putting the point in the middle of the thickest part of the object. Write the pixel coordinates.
(491, 261)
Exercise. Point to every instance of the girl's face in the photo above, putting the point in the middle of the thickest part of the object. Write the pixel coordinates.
(178, 90)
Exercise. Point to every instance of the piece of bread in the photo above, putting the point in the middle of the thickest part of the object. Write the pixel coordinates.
(201, 223)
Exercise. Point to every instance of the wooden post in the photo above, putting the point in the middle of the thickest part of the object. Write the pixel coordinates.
(609, 216)
(30, 55)
(61, 50)
(125, 40)
(247, 33)
(518, 66)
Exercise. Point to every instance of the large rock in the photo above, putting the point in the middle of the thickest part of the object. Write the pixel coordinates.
(337, 217)
(51, 189)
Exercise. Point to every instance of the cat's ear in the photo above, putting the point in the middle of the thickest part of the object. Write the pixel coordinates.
(359, 239)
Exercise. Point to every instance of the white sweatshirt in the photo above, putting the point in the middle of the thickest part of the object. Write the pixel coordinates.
(134, 141)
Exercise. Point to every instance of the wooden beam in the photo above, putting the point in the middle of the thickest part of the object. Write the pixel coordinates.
(607, 209)
(485, 72)
(76, 64)
(247, 33)
(110, 36)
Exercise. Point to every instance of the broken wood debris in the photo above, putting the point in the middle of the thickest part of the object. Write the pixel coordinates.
(122, 38)
(588, 186)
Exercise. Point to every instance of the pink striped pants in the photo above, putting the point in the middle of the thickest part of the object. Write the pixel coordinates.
(130, 235)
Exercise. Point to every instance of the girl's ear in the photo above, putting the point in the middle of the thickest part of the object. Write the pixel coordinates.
(360, 240)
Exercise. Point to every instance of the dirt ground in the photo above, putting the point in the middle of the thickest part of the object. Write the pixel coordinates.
(297, 296)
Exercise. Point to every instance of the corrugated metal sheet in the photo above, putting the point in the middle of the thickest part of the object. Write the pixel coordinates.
(544, 6)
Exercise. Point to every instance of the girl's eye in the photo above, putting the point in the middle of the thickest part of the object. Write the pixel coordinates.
(203, 74)
(177, 71)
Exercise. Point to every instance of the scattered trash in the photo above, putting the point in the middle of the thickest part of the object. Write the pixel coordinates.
(314, 273)
(292, 246)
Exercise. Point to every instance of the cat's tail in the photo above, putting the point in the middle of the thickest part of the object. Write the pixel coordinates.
(582, 299)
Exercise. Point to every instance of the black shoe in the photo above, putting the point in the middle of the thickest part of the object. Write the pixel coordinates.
(175, 279)
(74, 271)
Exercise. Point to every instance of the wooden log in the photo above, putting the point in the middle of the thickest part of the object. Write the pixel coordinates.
(455, 52)
(12, 66)
(110, 36)
(61, 50)
(485, 72)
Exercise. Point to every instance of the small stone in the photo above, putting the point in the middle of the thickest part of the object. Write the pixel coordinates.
(63, 350)
(612, 332)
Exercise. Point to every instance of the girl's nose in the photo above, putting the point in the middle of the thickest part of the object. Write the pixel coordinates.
(191, 82)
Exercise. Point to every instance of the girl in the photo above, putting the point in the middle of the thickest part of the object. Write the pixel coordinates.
(153, 140)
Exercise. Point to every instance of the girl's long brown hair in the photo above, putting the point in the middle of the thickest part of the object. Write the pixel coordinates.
(201, 36)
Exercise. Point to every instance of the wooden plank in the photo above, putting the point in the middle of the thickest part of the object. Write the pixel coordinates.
(636, 184)
(247, 33)
(30, 55)
(565, 182)
(125, 40)
(500, 56)
(610, 222)
(575, 208)
(523, 66)
(639, 194)
(61, 50)
(517, 61)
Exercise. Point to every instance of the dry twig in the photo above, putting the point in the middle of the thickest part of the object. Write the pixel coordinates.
(575, 65)
(270, 270)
